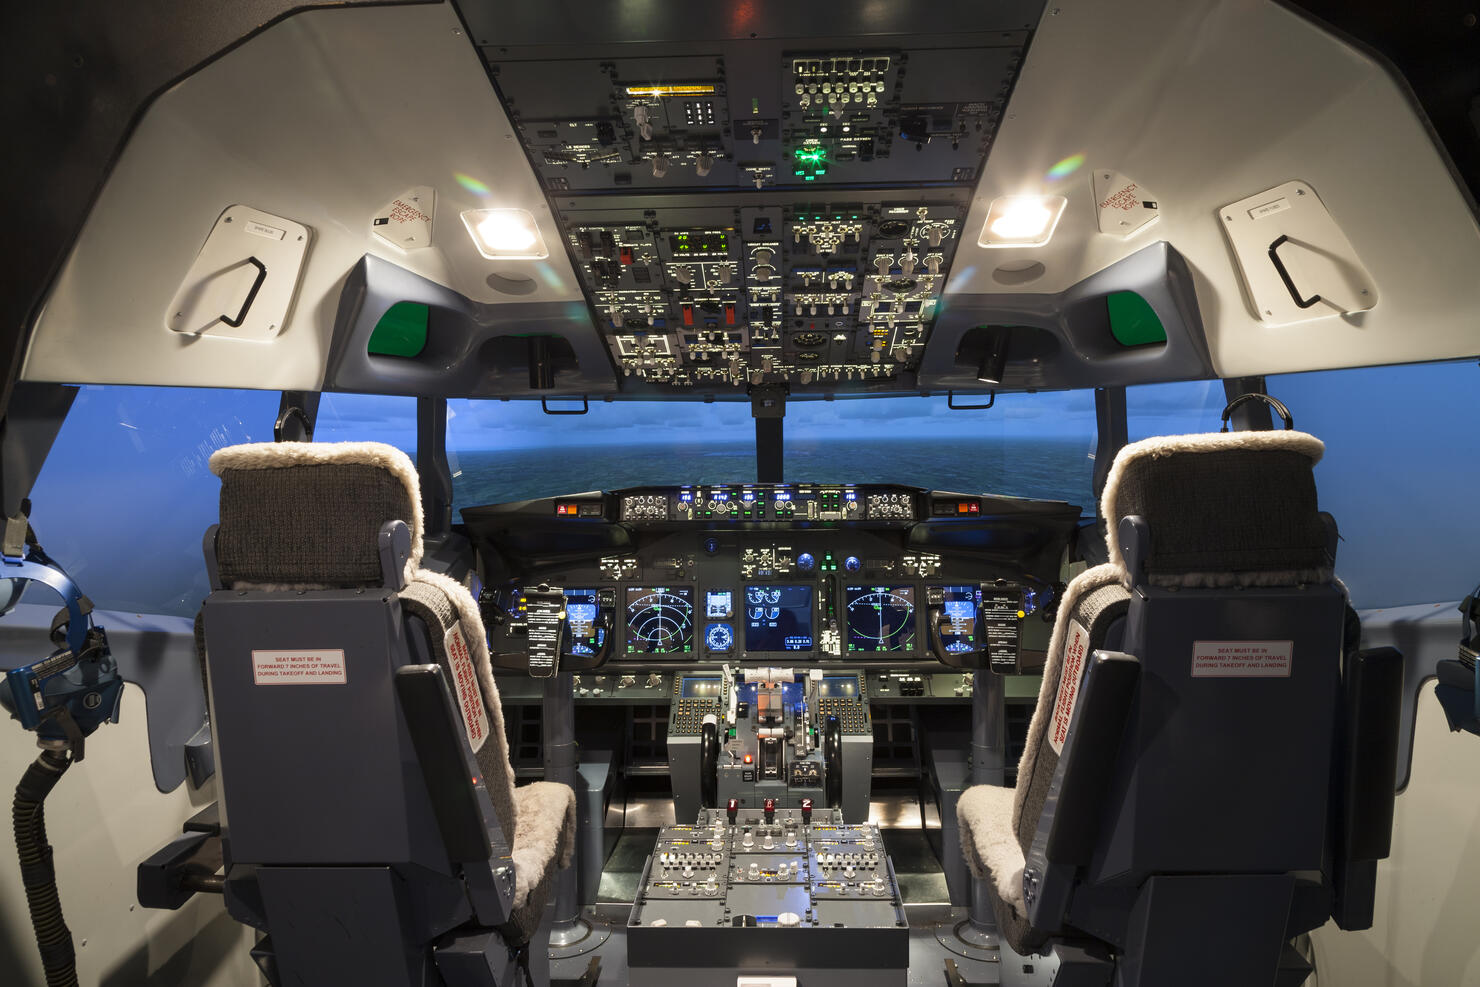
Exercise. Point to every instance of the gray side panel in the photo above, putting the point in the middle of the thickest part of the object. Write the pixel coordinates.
(1064, 340)
(473, 350)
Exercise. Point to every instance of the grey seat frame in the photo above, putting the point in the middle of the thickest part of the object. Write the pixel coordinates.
(331, 839)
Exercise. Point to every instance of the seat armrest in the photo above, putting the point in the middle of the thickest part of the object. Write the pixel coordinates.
(1372, 695)
(1372, 703)
(1089, 756)
(431, 720)
(1065, 838)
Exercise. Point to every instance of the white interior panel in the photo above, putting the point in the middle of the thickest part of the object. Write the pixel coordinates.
(104, 818)
(1208, 103)
(325, 118)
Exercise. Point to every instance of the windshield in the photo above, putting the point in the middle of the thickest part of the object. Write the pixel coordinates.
(1027, 445)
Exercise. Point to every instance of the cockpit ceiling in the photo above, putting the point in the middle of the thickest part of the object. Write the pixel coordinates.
(328, 118)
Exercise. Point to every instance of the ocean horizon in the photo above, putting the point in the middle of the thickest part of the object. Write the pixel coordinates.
(1040, 468)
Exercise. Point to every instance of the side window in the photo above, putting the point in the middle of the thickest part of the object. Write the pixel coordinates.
(1179, 408)
(126, 495)
(367, 418)
(1400, 472)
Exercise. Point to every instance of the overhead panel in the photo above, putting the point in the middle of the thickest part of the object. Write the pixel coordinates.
(778, 206)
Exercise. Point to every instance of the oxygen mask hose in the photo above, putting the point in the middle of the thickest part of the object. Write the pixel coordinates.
(38, 873)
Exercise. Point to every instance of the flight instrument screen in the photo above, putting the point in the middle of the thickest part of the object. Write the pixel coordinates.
(660, 620)
(778, 618)
(958, 628)
(580, 615)
(881, 618)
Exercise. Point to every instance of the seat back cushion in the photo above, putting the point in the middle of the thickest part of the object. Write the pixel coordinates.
(1092, 603)
(1224, 509)
(305, 515)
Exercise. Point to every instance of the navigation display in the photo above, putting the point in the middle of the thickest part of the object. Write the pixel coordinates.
(958, 631)
(660, 620)
(881, 618)
(778, 618)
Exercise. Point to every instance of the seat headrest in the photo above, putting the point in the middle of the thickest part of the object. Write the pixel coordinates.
(308, 515)
(1224, 509)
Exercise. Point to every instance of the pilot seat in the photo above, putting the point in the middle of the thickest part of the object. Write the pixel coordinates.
(370, 821)
(1210, 769)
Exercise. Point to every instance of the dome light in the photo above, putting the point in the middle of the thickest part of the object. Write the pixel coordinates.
(505, 234)
(1021, 220)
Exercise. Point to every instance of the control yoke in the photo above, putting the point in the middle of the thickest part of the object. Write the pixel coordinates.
(832, 753)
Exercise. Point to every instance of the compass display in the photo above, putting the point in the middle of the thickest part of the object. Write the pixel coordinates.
(881, 618)
(660, 620)
(719, 637)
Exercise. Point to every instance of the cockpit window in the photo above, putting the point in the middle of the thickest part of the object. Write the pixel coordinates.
(1179, 408)
(126, 495)
(503, 451)
(1399, 475)
(367, 418)
(1025, 445)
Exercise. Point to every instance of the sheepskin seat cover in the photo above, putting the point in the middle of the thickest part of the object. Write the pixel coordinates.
(284, 524)
(1195, 491)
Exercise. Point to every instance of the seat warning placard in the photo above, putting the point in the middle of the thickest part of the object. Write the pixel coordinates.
(320, 667)
(1241, 659)
(1076, 644)
(465, 684)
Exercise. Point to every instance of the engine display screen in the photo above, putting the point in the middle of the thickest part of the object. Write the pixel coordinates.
(838, 687)
(660, 620)
(701, 687)
(958, 631)
(778, 618)
(881, 618)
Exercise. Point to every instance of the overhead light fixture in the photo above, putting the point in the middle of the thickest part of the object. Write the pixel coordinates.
(993, 364)
(1021, 220)
(505, 234)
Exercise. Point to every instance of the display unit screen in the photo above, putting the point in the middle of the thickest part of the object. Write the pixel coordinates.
(580, 617)
(701, 687)
(778, 618)
(958, 626)
(838, 687)
(660, 620)
(880, 618)
(719, 604)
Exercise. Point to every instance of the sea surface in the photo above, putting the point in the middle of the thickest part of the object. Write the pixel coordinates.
(1050, 469)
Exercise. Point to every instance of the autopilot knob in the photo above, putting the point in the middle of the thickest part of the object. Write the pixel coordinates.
(806, 812)
(769, 808)
(732, 809)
